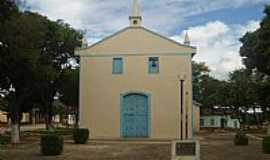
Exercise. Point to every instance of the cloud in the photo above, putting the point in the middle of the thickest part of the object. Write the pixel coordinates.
(102, 17)
(218, 45)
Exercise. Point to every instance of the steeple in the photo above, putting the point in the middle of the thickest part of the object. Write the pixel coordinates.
(135, 18)
(187, 41)
(84, 43)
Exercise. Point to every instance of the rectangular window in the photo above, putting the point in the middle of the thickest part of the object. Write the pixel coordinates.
(212, 122)
(235, 124)
(201, 122)
(117, 65)
(153, 65)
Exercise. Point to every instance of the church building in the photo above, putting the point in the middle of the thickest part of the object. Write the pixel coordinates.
(137, 83)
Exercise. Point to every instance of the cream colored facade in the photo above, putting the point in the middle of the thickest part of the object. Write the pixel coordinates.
(196, 117)
(100, 90)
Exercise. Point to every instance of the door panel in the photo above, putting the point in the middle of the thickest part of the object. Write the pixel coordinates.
(135, 112)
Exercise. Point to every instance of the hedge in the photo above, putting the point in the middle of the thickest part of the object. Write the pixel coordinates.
(51, 144)
(4, 139)
(266, 145)
(81, 135)
(240, 139)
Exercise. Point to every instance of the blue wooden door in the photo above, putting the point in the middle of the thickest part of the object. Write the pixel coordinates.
(135, 112)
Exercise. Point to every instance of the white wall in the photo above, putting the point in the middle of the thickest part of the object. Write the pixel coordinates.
(231, 123)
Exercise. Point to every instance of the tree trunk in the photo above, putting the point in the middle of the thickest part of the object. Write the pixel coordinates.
(15, 118)
(15, 133)
(257, 118)
(48, 120)
(76, 117)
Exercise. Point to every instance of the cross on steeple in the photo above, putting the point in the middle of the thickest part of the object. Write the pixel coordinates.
(135, 18)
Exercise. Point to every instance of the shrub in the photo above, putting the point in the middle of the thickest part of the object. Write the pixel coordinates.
(241, 138)
(51, 144)
(266, 144)
(80, 135)
(4, 140)
(58, 131)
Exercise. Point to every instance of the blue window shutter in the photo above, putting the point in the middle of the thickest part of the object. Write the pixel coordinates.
(153, 65)
(117, 65)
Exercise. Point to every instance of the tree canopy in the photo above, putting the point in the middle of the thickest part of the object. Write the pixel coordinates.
(256, 46)
(34, 53)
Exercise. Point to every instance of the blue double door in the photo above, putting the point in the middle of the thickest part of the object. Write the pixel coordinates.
(135, 116)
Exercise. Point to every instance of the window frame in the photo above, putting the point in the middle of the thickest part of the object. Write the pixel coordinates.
(114, 71)
(212, 122)
(157, 70)
(202, 122)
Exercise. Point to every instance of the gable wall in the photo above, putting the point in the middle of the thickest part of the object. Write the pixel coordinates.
(136, 41)
(100, 93)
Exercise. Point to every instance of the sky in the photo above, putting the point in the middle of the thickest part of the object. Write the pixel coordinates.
(214, 26)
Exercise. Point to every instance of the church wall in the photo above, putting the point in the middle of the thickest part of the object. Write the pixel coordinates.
(100, 94)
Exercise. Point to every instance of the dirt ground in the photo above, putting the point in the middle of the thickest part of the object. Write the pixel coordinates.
(214, 146)
(219, 146)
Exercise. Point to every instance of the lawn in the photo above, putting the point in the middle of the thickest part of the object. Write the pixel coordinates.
(214, 146)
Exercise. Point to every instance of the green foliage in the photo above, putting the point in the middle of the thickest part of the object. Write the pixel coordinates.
(207, 90)
(80, 135)
(58, 108)
(7, 9)
(241, 138)
(209, 87)
(69, 89)
(21, 51)
(256, 46)
(4, 139)
(266, 145)
(255, 52)
(199, 72)
(3, 103)
(42, 49)
(51, 144)
(243, 88)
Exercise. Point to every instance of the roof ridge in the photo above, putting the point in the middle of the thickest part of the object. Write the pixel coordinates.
(164, 37)
(140, 27)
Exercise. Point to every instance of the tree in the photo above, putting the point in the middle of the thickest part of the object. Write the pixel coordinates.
(23, 35)
(70, 91)
(3, 103)
(242, 94)
(256, 51)
(34, 53)
(8, 9)
(59, 109)
(256, 46)
(59, 45)
(208, 90)
(263, 97)
(199, 71)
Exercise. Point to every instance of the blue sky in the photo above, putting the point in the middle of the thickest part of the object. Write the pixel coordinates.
(215, 26)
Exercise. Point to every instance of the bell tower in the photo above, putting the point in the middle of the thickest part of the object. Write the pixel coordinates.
(135, 18)
(187, 40)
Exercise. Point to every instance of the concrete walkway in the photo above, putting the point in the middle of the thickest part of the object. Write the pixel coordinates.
(255, 137)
